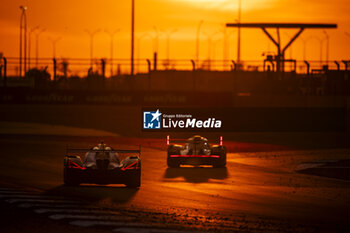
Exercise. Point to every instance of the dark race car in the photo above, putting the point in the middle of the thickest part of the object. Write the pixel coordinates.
(196, 151)
(102, 165)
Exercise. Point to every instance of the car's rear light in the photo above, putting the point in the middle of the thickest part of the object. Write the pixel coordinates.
(195, 156)
(167, 140)
(74, 165)
(221, 141)
(134, 165)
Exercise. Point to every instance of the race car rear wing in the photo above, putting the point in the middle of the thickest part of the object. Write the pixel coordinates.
(185, 140)
(77, 150)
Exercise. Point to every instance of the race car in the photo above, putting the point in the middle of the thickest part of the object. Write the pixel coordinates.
(196, 151)
(102, 165)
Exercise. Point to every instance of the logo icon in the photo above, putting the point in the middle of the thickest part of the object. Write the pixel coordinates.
(151, 120)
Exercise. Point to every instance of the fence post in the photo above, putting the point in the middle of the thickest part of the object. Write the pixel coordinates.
(234, 65)
(5, 71)
(155, 61)
(149, 73)
(307, 67)
(103, 64)
(54, 69)
(346, 64)
(149, 65)
(193, 65)
(337, 64)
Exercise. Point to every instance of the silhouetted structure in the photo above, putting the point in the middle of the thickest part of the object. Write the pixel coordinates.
(281, 51)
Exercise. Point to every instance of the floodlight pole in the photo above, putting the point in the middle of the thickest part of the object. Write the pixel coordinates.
(304, 46)
(92, 34)
(30, 43)
(37, 34)
(239, 35)
(111, 35)
(132, 36)
(138, 44)
(54, 42)
(156, 40)
(320, 40)
(198, 41)
(210, 40)
(168, 35)
(23, 30)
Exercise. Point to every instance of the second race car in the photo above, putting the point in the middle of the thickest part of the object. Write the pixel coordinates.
(196, 151)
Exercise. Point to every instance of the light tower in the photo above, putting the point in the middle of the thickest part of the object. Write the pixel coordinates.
(132, 36)
(92, 34)
(23, 40)
(111, 35)
(198, 41)
(239, 35)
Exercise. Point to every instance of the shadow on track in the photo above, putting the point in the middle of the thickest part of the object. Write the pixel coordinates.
(196, 174)
(95, 193)
(338, 169)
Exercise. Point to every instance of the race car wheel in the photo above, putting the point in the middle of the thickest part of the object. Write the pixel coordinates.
(69, 179)
(172, 164)
(173, 150)
(221, 162)
(134, 180)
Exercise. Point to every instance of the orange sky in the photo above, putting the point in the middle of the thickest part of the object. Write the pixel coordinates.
(69, 18)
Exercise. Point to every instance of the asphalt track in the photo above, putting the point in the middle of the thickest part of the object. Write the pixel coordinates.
(257, 191)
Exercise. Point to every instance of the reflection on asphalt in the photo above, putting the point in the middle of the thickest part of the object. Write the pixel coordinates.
(196, 174)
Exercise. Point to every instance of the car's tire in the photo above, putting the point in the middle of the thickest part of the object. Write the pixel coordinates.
(172, 164)
(69, 178)
(221, 162)
(134, 180)
(173, 150)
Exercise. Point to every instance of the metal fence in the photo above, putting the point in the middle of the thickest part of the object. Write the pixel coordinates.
(82, 67)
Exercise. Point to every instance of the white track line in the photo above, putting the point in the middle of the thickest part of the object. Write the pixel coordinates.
(30, 196)
(91, 217)
(83, 223)
(133, 230)
(77, 211)
(148, 230)
(45, 206)
(16, 200)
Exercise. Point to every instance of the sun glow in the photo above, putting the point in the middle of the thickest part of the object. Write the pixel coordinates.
(229, 5)
(207, 1)
(213, 4)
